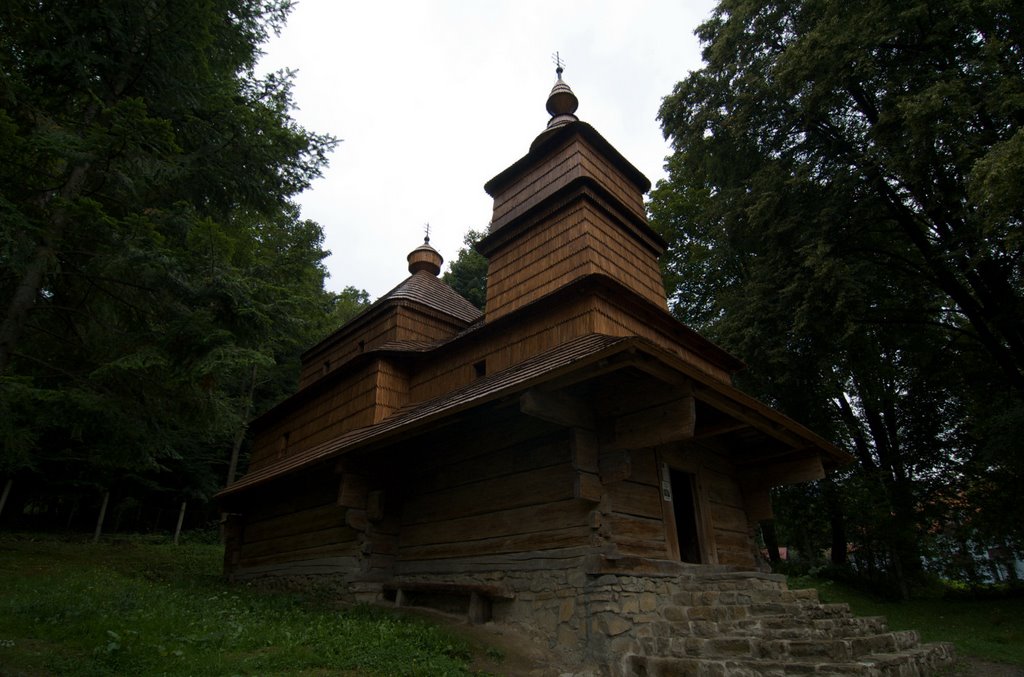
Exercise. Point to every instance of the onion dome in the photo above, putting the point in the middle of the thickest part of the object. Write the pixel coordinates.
(562, 103)
(425, 258)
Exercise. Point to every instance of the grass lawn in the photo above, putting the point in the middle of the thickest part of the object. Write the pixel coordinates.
(133, 607)
(990, 629)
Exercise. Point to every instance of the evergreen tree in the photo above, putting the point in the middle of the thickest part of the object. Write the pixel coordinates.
(156, 279)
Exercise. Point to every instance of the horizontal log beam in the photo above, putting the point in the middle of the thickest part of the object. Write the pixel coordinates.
(670, 422)
(557, 408)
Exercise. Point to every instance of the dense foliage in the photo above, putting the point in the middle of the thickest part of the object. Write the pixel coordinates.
(467, 274)
(157, 282)
(844, 211)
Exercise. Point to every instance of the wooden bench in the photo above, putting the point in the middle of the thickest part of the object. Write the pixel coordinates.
(440, 595)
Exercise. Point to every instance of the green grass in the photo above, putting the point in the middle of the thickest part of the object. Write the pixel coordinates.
(990, 629)
(145, 608)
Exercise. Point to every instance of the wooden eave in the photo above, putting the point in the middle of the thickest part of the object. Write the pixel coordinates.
(547, 139)
(582, 359)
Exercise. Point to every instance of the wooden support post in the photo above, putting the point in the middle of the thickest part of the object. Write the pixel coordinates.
(102, 515)
(181, 518)
(479, 608)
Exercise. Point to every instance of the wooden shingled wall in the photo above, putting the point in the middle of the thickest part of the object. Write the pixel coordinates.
(580, 241)
(401, 322)
(575, 158)
(350, 403)
(589, 231)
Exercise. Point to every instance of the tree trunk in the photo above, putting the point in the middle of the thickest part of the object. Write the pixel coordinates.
(99, 520)
(837, 522)
(240, 434)
(181, 518)
(31, 281)
(7, 492)
(771, 541)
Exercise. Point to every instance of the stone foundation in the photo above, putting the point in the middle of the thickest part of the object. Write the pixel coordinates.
(676, 619)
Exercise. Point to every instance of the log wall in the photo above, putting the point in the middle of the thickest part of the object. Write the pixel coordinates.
(300, 522)
(634, 519)
(728, 532)
(492, 496)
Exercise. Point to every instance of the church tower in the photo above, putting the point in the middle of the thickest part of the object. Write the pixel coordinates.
(573, 206)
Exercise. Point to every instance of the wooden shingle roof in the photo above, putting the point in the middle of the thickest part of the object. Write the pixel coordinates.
(569, 358)
(427, 289)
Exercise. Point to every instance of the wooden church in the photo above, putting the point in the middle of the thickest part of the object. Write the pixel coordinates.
(573, 460)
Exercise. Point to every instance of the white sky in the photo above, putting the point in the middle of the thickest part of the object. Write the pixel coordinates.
(433, 98)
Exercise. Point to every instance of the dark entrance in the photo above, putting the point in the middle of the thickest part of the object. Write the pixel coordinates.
(684, 506)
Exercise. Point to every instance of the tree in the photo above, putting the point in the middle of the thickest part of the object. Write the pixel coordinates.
(840, 212)
(467, 274)
(155, 274)
(913, 107)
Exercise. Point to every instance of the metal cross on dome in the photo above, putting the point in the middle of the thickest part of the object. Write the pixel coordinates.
(559, 64)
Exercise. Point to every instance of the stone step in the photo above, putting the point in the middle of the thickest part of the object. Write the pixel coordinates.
(732, 612)
(915, 662)
(781, 627)
(797, 650)
(729, 597)
(784, 627)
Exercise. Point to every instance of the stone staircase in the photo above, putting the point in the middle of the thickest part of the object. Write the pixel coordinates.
(750, 624)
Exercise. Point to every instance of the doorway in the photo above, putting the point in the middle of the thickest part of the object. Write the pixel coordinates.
(684, 508)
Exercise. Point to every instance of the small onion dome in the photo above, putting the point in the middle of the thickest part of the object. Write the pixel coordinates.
(425, 258)
(562, 103)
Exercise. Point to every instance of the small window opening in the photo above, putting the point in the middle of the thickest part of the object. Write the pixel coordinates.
(480, 368)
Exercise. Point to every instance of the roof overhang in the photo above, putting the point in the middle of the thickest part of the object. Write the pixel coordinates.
(582, 359)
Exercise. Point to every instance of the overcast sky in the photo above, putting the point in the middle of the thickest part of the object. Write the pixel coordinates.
(433, 98)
